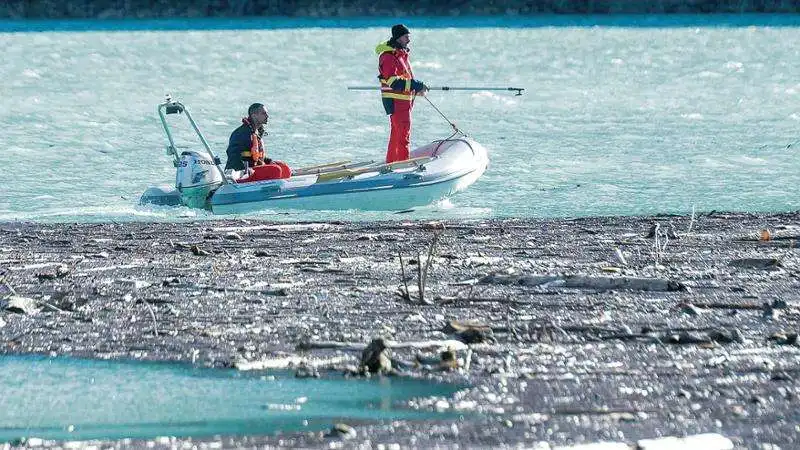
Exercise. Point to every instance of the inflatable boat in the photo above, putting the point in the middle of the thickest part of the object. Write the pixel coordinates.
(434, 172)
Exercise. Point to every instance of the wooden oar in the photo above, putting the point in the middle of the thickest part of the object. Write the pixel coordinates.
(332, 168)
(310, 169)
(330, 176)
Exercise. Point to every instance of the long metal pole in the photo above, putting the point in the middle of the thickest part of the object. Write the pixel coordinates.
(447, 88)
(205, 144)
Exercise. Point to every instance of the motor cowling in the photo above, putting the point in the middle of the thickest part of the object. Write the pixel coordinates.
(196, 178)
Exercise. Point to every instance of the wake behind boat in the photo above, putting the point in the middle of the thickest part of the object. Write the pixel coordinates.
(434, 172)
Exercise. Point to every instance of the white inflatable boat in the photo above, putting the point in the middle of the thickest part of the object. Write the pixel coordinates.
(434, 172)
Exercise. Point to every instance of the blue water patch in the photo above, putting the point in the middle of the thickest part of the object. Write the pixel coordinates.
(72, 399)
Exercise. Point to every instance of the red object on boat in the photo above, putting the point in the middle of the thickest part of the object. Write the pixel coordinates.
(274, 171)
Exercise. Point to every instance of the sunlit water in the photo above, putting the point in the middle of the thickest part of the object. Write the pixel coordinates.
(620, 116)
(70, 399)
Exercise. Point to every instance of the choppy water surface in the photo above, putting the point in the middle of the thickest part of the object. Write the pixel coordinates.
(69, 399)
(620, 116)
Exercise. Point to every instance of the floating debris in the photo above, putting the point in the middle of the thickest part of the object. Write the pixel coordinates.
(197, 251)
(376, 358)
(708, 441)
(305, 371)
(20, 305)
(757, 263)
(587, 282)
(469, 333)
(342, 431)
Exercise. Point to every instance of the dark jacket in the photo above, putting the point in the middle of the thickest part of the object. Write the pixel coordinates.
(239, 147)
(238, 143)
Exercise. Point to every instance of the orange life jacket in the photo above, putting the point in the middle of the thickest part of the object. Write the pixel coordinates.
(256, 151)
(256, 148)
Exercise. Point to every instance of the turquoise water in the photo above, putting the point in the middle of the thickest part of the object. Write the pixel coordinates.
(69, 399)
(621, 115)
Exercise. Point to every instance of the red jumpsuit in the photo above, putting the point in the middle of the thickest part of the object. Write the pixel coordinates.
(398, 88)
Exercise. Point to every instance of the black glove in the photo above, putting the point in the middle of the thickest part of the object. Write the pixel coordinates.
(267, 161)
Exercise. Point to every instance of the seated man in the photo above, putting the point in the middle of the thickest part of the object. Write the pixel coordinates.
(246, 149)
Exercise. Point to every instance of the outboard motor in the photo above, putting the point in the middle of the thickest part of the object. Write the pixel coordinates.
(197, 178)
(198, 172)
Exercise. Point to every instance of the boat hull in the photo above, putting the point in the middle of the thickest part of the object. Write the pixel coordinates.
(386, 199)
(449, 167)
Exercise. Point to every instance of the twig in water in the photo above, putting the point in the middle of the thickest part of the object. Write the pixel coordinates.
(656, 246)
(11, 289)
(420, 281)
(431, 250)
(38, 302)
(422, 272)
(407, 295)
(552, 325)
(423, 275)
(53, 307)
(512, 330)
(659, 248)
(153, 315)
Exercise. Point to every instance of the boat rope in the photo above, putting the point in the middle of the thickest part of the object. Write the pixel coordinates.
(455, 128)
(438, 146)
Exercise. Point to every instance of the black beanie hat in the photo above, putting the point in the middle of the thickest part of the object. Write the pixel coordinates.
(399, 30)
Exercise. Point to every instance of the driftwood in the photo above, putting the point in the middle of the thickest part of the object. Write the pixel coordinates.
(772, 237)
(456, 300)
(452, 344)
(587, 282)
(280, 292)
(324, 345)
(721, 305)
(756, 263)
(470, 333)
(291, 227)
(20, 305)
(720, 336)
(286, 362)
(706, 441)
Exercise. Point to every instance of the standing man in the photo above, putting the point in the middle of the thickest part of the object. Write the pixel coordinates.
(398, 88)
